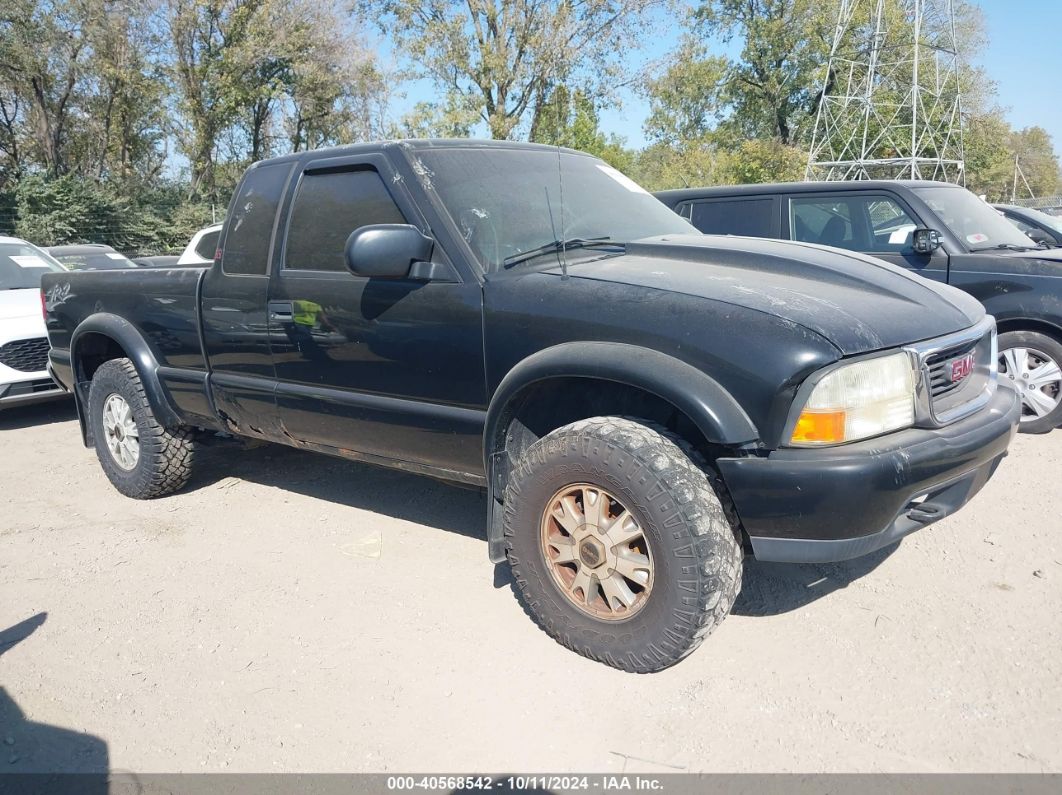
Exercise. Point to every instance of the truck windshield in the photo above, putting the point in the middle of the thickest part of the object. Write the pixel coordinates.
(22, 265)
(517, 206)
(977, 225)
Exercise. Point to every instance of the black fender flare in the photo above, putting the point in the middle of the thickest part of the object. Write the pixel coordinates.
(708, 404)
(139, 352)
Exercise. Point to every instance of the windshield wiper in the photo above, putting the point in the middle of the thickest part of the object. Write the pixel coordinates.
(558, 245)
(1003, 247)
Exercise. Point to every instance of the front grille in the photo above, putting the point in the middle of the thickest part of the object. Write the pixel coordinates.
(26, 356)
(940, 400)
(939, 367)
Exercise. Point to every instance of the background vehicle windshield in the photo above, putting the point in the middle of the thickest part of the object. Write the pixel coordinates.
(509, 201)
(1050, 221)
(22, 265)
(95, 261)
(976, 224)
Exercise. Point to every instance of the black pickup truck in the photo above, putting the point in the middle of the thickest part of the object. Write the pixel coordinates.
(935, 229)
(643, 405)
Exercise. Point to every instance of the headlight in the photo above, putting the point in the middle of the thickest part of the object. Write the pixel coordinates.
(857, 401)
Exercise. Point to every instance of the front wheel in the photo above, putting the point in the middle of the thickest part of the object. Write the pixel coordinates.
(620, 547)
(142, 458)
(1032, 362)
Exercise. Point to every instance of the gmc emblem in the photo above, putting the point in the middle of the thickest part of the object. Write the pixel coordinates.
(960, 368)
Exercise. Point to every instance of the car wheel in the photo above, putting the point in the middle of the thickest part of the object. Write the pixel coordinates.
(619, 546)
(140, 457)
(1033, 364)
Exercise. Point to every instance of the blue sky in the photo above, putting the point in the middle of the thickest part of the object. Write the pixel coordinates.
(1024, 57)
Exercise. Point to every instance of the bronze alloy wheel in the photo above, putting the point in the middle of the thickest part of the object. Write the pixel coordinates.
(597, 552)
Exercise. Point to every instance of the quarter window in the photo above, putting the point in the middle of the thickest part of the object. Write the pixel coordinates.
(208, 244)
(250, 224)
(328, 207)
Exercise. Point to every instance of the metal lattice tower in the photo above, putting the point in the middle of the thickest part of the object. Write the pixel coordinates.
(890, 105)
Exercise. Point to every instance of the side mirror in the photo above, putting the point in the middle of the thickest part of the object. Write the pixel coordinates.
(925, 241)
(386, 251)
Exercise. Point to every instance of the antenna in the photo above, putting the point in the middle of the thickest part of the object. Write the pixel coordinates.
(890, 105)
(563, 237)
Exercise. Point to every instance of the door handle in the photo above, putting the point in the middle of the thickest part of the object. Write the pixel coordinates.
(281, 310)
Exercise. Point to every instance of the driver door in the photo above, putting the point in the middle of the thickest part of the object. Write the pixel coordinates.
(387, 368)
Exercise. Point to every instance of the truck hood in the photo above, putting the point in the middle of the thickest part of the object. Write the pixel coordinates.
(20, 314)
(858, 303)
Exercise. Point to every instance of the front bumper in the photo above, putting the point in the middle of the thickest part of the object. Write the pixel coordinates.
(19, 389)
(834, 504)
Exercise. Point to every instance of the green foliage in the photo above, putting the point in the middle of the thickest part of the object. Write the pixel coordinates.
(100, 98)
(67, 209)
(770, 160)
(1035, 156)
(569, 118)
(686, 101)
(505, 57)
(771, 88)
(691, 164)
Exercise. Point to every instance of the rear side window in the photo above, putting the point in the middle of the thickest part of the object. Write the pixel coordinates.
(749, 217)
(250, 225)
(328, 207)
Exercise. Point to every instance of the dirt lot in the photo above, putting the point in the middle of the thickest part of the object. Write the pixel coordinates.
(291, 612)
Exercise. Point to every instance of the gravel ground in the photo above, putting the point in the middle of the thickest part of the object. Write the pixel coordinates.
(292, 612)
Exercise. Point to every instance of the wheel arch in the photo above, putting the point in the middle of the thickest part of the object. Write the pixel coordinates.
(1029, 324)
(102, 337)
(535, 397)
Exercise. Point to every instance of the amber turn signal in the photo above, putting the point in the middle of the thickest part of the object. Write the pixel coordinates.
(819, 427)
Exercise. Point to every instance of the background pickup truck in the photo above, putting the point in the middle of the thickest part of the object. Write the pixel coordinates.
(937, 230)
(642, 404)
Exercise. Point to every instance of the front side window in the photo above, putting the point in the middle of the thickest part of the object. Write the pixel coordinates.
(875, 224)
(972, 221)
(827, 222)
(328, 207)
(509, 203)
(250, 226)
(889, 225)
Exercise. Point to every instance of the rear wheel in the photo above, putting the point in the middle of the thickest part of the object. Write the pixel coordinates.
(1033, 364)
(140, 457)
(620, 547)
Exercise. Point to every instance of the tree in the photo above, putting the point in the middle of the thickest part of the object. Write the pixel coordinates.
(200, 32)
(1034, 153)
(569, 118)
(771, 89)
(43, 51)
(686, 101)
(989, 163)
(506, 57)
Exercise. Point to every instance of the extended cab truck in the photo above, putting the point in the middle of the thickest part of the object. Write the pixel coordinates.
(935, 229)
(642, 403)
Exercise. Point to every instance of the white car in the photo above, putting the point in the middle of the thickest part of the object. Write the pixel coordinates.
(200, 250)
(23, 342)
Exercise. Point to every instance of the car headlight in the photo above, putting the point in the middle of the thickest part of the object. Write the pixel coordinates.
(857, 401)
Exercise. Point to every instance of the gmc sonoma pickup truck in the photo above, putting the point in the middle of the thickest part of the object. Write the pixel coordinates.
(643, 404)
